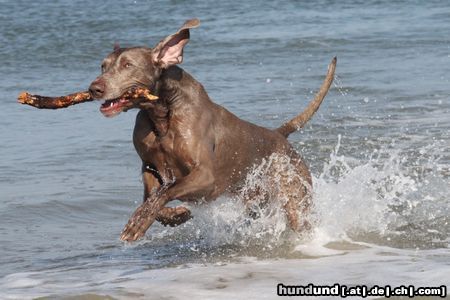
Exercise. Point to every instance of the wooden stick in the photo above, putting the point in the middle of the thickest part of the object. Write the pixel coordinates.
(76, 98)
(54, 102)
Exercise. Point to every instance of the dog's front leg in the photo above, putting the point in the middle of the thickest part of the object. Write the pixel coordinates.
(143, 217)
(199, 183)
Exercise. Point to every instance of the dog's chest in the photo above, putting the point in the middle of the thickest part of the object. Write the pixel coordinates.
(162, 154)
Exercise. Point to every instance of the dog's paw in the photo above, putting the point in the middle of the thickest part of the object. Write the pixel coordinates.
(139, 222)
(173, 216)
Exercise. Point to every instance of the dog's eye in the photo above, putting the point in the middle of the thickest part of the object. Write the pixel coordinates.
(127, 65)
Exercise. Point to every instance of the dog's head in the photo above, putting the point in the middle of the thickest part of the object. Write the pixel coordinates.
(126, 68)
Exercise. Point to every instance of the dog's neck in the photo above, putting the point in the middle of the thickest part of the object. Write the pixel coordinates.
(174, 90)
(159, 115)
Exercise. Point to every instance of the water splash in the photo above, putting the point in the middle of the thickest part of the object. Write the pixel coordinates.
(393, 198)
(390, 198)
(337, 82)
(254, 218)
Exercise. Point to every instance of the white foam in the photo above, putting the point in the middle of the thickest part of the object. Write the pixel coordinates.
(316, 246)
(247, 279)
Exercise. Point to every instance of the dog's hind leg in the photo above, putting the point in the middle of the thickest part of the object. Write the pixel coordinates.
(284, 178)
(297, 207)
(255, 199)
(295, 190)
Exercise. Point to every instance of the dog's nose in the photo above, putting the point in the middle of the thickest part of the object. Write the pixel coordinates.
(97, 89)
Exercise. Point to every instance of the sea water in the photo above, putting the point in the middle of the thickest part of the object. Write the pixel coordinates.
(378, 149)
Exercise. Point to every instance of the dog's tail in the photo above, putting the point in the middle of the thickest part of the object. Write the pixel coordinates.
(299, 121)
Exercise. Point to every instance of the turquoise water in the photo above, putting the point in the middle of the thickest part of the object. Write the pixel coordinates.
(378, 148)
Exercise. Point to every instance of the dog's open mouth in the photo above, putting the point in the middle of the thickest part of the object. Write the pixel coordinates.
(129, 99)
(111, 108)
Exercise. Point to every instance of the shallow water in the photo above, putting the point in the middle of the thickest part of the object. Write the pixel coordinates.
(378, 149)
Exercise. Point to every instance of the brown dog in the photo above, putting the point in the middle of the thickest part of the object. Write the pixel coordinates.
(192, 148)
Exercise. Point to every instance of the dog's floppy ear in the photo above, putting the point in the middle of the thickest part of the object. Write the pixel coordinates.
(169, 51)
